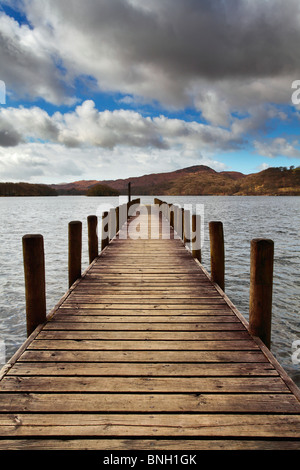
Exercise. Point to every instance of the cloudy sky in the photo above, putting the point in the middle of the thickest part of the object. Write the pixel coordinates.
(107, 89)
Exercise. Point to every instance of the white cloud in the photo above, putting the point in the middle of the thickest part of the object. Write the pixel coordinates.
(278, 147)
(54, 163)
(263, 166)
(37, 162)
(29, 123)
(91, 139)
(87, 142)
(215, 111)
(86, 126)
(29, 63)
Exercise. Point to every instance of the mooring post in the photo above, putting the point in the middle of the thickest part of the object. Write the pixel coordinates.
(261, 286)
(75, 249)
(217, 253)
(92, 222)
(128, 210)
(35, 286)
(172, 215)
(104, 232)
(129, 192)
(196, 240)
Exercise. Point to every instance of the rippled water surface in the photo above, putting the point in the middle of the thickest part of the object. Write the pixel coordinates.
(243, 218)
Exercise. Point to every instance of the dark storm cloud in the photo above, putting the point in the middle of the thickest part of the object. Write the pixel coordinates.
(211, 39)
(159, 49)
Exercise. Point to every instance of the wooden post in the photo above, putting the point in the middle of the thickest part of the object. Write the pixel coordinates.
(261, 285)
(35, 286)
(104, 233)
(217, 255)
(129, 192)
(196, 240)
(92, 221)
(128, 210)
(172, 215)
(75, 249)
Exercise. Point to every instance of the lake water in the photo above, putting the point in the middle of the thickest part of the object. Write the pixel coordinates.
(243, 218)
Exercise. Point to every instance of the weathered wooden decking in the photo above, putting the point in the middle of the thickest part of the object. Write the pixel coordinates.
(144, 352)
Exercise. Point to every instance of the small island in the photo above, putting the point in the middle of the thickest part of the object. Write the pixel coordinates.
(102, 190)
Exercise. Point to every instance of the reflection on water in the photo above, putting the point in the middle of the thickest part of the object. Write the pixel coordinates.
(243, 218)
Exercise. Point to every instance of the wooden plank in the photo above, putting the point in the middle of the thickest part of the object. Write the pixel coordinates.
(143, 356)
(143, 335)
(96, 316)
(144, 384)
(183, 313)
(153, 287)
(151, 276)
(170, 299)
(124, 345)
(143, 369)
(145, 293)
(196, 425)
(145, 403)
(159, 297)
(110, 325)
(162, 444)
(116, 261)
(146, 271)
(103, 284)
(146, 306)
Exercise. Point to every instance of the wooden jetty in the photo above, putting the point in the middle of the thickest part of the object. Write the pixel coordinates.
(146, 352)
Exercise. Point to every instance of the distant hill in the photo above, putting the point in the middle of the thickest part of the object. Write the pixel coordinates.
(199, 180)
(146, 184)
(26, 189)
(279, 181)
